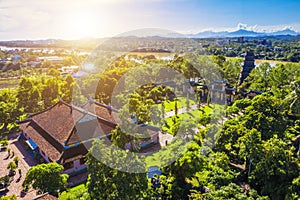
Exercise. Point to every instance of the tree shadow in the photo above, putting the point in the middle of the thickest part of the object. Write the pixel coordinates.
(23, 193)
(6, 158)
(26, 156)
(18, 180)
(4, 192)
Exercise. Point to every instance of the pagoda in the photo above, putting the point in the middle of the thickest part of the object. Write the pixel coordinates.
(248, 66)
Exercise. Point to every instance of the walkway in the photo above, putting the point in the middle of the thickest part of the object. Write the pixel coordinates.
(25, 162)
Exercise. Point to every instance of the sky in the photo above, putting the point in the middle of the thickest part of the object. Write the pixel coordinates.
(74, 19)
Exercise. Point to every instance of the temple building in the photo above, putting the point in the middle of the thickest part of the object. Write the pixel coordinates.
(248, 66)
(60, 133)
(63, 133)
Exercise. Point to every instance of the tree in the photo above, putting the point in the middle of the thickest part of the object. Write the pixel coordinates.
(67, 88)
(266, 114)
(120, 138)
(53, 72)
(16, 160)
(29, 95)
(46, 178)
(251, 148)
(9, 111)
(275, 170)
(77, 192)
(184, 168)
(230, 191)
(105, 181)
(12, 197)
(50, 92)
(162, 191)
(259, 77)
(12, 166)
(4, 143)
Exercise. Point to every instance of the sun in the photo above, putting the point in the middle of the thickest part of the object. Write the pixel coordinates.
(80, 25)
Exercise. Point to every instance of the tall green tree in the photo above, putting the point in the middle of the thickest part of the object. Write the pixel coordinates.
(276, 169)
(114, 177)
(46, 178)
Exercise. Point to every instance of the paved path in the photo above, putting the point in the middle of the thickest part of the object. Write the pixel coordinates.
(25, 162)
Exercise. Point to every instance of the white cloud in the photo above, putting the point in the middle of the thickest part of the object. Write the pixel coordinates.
(247, 27)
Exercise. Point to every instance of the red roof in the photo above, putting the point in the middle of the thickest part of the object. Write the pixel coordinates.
(101, 110)
(62, 126)
(36, 134)
(58, 120)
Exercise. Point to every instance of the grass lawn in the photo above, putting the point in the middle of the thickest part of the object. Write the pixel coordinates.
(170, 105)
(165, 156)
(193, 115)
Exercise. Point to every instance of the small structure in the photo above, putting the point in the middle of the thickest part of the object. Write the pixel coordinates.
(53, 59)
(149, 135)
(248, 66)
(240, 39)
(230, 95)
(217, 91)
(16, 59)
(69, 69)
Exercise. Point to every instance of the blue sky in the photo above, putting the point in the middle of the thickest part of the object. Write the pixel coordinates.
(67, 19)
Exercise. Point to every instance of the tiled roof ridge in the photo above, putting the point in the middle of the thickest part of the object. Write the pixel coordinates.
(69, 136)
(62, 102)
(91, 100)
(95, 115)
(49, 108)
(86, 112)
(106, 106)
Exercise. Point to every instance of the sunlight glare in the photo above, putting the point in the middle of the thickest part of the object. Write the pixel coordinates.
(80, 25)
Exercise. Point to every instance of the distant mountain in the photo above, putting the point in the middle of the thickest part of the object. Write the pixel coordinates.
(208, 34)
(241, 33)
(151, 32)
(286, 31)
(245, 33)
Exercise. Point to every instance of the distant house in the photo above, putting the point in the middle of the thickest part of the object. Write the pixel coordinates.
(16, 59)
(60, 133)
(33, 63)
(53, 59)
(69, 69)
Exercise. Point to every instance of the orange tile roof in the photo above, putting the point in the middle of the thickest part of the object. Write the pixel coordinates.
(35, 133)
(62, 126)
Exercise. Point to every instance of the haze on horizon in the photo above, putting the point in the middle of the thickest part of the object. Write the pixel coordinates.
(68, 19)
